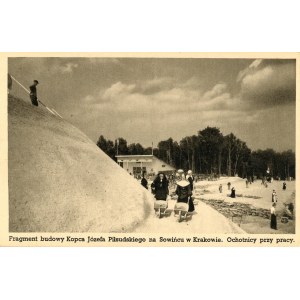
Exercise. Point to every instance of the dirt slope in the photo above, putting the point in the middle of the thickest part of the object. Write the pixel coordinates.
(60, 181)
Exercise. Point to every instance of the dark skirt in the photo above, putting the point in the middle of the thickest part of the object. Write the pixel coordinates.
(34, 100)
(273, 221)
(191, 205)
(161, 194)
(183, 200)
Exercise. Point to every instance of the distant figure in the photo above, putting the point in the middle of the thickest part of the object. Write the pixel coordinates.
(160, 187)
(171, 179)
(247, 183)
(232, 193)
(220, 188)
(273, 217)
(274, 197)
(168, 180)
(9, 83)
(284, 186)
(33, 93)
(287, 212)
(190, 179)
(229, 185)
(144, 182)
(265, 181)
(177, 177)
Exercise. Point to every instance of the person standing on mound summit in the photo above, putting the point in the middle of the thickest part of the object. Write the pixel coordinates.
(33, 93)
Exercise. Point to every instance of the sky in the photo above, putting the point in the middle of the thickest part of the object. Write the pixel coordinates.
(147, 100)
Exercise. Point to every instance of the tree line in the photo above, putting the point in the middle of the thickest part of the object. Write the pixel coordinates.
(210, 152)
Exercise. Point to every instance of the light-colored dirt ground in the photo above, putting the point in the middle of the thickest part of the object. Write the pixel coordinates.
(205, 220)
(208, 220)
(245, 195)
(257, 196)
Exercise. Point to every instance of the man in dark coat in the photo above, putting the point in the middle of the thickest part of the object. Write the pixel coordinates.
(33, 93)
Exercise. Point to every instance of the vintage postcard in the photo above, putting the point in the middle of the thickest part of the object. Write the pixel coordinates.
(149, 149)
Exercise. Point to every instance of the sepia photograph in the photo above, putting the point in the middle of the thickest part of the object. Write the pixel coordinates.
(151, 145)
(138, 136)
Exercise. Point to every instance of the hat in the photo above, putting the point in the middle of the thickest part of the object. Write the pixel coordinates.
(190, 172)
(35, 81)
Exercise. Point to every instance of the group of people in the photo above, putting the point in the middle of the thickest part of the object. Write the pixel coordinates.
(232, 194)
(288, 211)
(184, 188)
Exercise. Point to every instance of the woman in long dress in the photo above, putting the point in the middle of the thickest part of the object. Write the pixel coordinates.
(160, 187)
(183, 191)
(190, 179)
(273, 217)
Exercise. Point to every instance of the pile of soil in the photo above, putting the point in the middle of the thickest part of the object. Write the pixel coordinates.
(60, 181)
